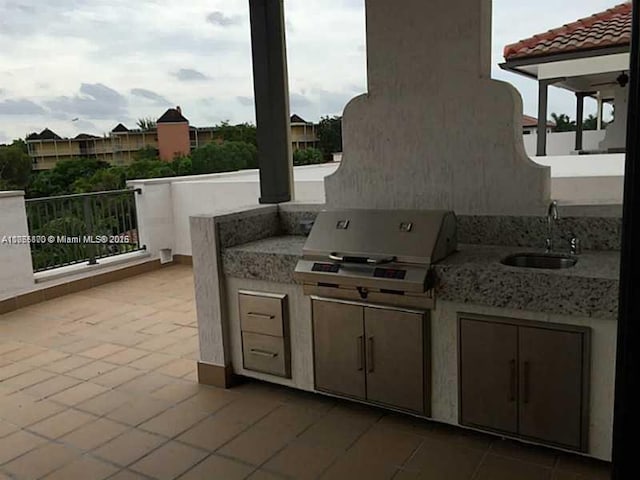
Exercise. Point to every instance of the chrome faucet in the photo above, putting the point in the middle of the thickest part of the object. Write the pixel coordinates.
(552, 216)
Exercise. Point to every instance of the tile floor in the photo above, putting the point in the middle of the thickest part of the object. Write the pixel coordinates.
(102, 384)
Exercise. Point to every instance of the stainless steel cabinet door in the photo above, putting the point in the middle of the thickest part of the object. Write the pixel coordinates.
(338, 342)
(488, 375)
(395, 358)
(551, 386)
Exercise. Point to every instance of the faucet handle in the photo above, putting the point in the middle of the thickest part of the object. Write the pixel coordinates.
(576, 247)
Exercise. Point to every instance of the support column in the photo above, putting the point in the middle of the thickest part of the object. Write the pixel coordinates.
(271, 90)
(579, 119)
(543, 100)
(626, 422)
(600, 111)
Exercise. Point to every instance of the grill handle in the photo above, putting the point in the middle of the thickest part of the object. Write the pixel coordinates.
(338, 257)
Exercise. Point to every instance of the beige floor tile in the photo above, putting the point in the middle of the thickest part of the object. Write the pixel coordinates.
(178, 368)
(94, 434)
(129, 447)
(593, 469)
(447, 460)
(151, 361)
(6, 347)
(162, 329)
(27, 379)
(169, 461)
(45, 358)
(91, 370)
(70, 363)
(213, 432)
(138, 410)
(146, 383)
(350, 467)
(334, 431)
(503, 468)
(41, 461)
(18, 443)
(50, 387)
(24, 410)
(174, 421)
(255, 445)
(105, 402)
(101, 351)
(527, 453)
(61, 423)
(177, 391)
(249, 409)
(126, 356)
(79, 393)
(7, 428)
(23, 353)
(468, 438)
(210, 400)
(79, 346)
(264, 475)
(218, 468)
(127, 475)
(302, 461)
(288, 419)
(386, 445)
(85, 468)
(13, 369)
(117, 376)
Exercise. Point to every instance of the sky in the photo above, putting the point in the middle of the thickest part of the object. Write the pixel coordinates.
(85, 65)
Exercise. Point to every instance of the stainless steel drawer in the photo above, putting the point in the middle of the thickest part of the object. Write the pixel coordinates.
(262, 313)
(267, 354)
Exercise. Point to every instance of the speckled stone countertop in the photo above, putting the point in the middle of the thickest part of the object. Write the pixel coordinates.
(472, 275)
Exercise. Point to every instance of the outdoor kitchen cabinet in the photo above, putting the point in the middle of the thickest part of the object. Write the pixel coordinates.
(525, 379)
(374, 354)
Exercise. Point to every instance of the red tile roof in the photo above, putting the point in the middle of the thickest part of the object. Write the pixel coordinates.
(528, 121)
(606, 29)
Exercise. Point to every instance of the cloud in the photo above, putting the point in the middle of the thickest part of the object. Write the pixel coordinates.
(20, 107)
(220, 19)
(3, 138)
(94, 100)
(156, 98)
(245, 101)
(189, 75)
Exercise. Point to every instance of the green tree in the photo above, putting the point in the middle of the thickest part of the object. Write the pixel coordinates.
(223, 157)
(563, 123)
(146, 153)
(61, 178)
(308, 156)
(330, 136)
(113, 178)
(15, 166)
(243, 132)
(146, 123)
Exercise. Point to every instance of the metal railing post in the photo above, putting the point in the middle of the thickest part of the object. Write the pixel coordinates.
(88, 222)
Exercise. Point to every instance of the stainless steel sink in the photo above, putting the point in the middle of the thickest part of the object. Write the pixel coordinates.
(551, 261)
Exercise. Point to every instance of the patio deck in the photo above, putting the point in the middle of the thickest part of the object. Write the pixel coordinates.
(102, 384)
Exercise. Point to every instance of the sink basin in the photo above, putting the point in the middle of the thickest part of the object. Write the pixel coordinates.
(552, 261)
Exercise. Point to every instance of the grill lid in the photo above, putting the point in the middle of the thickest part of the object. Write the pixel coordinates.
(382, 236)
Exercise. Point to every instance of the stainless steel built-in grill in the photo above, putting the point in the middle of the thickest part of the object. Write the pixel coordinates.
(382, 256)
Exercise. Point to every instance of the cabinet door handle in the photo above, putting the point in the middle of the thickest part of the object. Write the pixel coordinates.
(263, 353)
(526, 380)
(512, 381)
(370, 356)
(361, 359)
(262, 316)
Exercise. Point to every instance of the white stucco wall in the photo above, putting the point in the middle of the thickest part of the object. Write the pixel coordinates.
(166, 204)
(564, 143)
(16, 269)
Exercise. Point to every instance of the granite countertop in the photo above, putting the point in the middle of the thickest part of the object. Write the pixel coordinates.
(474, 275)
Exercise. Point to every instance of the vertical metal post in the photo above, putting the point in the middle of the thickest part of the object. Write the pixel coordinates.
(88, 222)
(271, 88)
(626, 422)
(579, 119)
(543, 100)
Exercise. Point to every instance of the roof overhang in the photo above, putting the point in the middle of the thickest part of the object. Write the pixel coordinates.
(580, 71)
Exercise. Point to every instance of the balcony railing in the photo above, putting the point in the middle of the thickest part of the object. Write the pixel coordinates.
(71, 229)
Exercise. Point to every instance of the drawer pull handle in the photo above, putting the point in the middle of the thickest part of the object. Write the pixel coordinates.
(526, 386)
(262, 316)
(370, 356)
(263, 353)
(361, 353)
